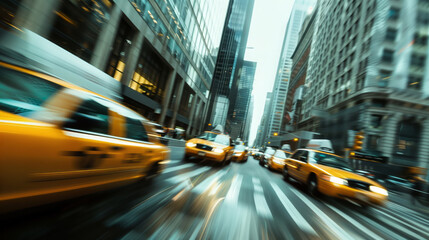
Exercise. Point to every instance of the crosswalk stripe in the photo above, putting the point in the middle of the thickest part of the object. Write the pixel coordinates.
(176, 168)
(417, 220)
(183, 177)
(337, 230)
(407, 211)
(260, 201)
(234, 190)
(403, 229)
(204, 185)
(293, 212)
(380, 227)
(355, 223)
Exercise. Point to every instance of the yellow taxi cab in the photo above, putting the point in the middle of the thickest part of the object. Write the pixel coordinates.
(60, 141)
(210, 145)
(331, 175)
(277, 161)
(240, 153)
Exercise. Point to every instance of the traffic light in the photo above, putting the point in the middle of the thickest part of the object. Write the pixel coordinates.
(357, 145)
(295, 139)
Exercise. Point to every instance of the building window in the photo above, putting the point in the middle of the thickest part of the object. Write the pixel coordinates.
(407, 140)
(421, 40)
(372, 142)
(418, 60)
(393, 14)
(78, 24)
(391, 34)
(387, 56)
(414, 82)
(150, 75)
(120, 49)
(375, 120)
(422, 17)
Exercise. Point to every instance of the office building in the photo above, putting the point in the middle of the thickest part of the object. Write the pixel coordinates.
(224, 87)
(261, 140)
(298, 14)
(368, 71)
(242, 103)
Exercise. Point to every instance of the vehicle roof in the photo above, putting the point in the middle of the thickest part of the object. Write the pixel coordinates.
(319, 151)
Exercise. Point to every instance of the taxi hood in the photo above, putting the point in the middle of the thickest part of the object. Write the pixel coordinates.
(206, 142)
(345, 174)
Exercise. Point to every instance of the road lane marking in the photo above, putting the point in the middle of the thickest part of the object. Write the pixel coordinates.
(378, 226)
(355, 223)
(293, 212)
(234, 190)
(407, 211)
(172, 169)
(337, 230)
(260, 201)
(403, 229)
(183, 177)
(205, 185)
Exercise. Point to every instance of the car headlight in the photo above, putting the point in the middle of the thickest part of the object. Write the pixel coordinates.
(191, 144)
(217, 150)
(379, 190)
(333, 179)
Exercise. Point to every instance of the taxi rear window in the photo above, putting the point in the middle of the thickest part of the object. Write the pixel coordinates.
(22, 94)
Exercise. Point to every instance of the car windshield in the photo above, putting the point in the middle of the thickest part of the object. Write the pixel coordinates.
(281, 154)
(332, 161)
(240, 148)
(217, 138)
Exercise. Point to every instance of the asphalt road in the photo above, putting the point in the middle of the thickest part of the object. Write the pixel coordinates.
(200, 201)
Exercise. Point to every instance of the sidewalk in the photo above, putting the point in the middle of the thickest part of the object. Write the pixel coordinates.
(406, 200)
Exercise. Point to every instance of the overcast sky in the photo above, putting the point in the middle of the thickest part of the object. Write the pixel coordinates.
(266, 35)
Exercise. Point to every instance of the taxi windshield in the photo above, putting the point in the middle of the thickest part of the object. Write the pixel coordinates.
(217, 138)
(281, 154)
(240, 148)
(332, 161)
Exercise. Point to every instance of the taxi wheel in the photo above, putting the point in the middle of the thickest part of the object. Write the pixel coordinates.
(261, 162)
(153, 172)
(286, 174)
(269, 166)
(312, 186)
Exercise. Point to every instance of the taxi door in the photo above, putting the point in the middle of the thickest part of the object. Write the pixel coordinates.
(292, 163)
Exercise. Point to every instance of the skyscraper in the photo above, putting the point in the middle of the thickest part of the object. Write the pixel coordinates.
(299, 12)
(244, 93)
(368, 71)
(229, 63)
(263, 126)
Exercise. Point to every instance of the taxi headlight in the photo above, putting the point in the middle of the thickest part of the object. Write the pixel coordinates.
(217, 150)
(333, 179)
(191, 144)
(379, 190)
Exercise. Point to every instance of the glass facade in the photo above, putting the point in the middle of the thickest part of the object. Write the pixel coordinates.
(120, 50)
(189, 31)
(78, 24)
(150, 76)
(230, 58)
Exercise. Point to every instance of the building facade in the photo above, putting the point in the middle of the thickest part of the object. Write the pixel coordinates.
(368, 71)
(296, 88)
(160, 52)
(224, 87)
(298, 14)
(260, 140)
(242, 103)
